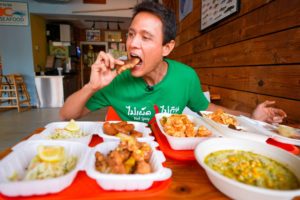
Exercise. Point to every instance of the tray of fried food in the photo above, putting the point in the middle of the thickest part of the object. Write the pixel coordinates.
(111, 130)
(40, 167)
(126, 164)
(184, 132)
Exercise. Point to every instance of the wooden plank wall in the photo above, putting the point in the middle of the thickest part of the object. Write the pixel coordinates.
(249, 57)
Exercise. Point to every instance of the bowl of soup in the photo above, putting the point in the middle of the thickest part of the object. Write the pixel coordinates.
(243, 169)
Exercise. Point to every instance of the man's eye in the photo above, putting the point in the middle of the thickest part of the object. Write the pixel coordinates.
(130, 34)
(146, 38)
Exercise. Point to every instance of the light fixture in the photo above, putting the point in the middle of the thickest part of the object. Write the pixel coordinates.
(107, 25)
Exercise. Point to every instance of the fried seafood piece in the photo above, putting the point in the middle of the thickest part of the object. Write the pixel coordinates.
(101, 162)
(142, 167)
(120, 127)
(129, 157)
(129, 64)
(109, 129)
(143, 153)
(203, 132)
(221, 117)
(178, 125)
(123, 127)
(136, 134)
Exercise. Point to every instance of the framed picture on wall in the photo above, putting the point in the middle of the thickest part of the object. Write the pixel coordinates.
(213, 12)
(185, 7)
(93, 35)
(113, 36)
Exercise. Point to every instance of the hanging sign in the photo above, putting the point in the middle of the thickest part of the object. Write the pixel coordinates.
(13, 13)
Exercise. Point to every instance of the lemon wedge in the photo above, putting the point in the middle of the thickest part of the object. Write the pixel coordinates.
(51, 153)
(72, 126)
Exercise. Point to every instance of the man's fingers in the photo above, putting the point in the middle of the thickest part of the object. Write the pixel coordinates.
(268, 103)
(280, 113)
(277, 119)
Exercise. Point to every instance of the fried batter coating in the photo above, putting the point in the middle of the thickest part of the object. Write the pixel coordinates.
(221, 117)
(136, 134)
(101, 162)
(128, 65)
(142, 167)
(109, 129)
(120, 127)
(129, 157)
(179, 125)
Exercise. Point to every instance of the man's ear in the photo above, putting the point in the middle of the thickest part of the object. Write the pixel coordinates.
(167, 48)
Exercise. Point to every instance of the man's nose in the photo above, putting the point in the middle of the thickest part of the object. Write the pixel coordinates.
(135, 42)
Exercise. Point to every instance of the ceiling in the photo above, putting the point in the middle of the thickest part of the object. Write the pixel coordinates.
(63, 11)
(86, 22)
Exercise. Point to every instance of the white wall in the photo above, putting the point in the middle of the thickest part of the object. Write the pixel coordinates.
(16, 52)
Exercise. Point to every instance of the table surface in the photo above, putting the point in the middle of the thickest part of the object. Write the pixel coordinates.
(189, 181)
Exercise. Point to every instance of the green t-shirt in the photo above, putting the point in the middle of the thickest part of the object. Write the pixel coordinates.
(132, 101)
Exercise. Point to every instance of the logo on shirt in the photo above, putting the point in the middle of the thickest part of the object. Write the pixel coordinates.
(169, 109)
(145, 114)
(142, 114)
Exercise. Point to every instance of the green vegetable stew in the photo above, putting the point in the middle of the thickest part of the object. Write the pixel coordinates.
(252, 169)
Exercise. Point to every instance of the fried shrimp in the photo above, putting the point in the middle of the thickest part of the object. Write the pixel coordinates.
(129, 64)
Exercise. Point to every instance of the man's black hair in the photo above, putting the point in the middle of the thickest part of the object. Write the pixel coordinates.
(166, 15)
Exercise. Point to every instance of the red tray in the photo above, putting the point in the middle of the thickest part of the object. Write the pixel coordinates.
(184, 155)
(86, 188)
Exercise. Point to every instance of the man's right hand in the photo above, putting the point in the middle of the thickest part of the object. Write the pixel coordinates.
(102, 72)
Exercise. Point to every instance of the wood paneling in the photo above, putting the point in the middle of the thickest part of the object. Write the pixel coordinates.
(267, 80)
(250, 25)
(245, 101)
(278, 48)
(249, 57)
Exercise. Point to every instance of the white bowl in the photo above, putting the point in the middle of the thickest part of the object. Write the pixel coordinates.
(19, 159)
(138, 126)
(186, 143)
(237, 190)
(127, 181)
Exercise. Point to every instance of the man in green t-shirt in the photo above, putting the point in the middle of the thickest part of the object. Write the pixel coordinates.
(154, 82)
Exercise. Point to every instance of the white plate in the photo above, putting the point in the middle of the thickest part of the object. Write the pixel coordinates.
(268, 129)
(138, 126)
(88, 128)
(237, 190)
(186, 143)
(19, 159)
(127, 181)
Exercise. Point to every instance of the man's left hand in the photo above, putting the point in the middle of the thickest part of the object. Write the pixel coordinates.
(268, 114)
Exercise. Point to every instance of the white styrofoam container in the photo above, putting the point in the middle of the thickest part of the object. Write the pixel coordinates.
(89, 128)
(19, 159)
(268, 129)
(127, 181)
(247, 131)
(139, 126)
(237, 190)
(186, 143)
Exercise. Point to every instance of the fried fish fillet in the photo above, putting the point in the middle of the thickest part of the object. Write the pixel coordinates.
(129, 64)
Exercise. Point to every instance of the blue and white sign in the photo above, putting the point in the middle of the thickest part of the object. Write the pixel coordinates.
(13, 13)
